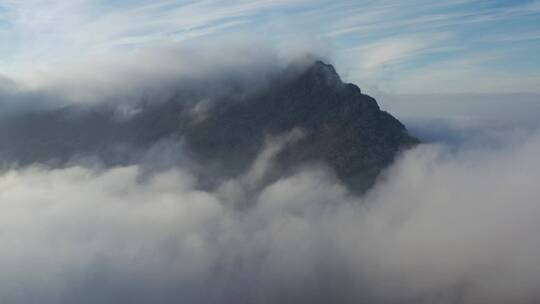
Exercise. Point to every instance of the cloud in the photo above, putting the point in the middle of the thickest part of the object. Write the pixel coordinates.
(395, 50)
(43, 35)
(62, 31)
(201, 71)
(448, 223)
(442, 225)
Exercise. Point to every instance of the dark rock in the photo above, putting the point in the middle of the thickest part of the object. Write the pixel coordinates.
(343, 128)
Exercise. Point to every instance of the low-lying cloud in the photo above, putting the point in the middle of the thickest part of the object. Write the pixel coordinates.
(199, 72)
(450, 222)
(441, 226)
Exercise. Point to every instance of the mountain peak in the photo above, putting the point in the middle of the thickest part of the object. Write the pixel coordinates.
(320, 73)
(342, 128)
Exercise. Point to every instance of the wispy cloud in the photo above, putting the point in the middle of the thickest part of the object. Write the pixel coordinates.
(387, 36)
(395, 49)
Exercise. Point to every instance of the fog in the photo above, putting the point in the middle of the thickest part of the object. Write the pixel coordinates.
(200, 72)
(441, 226)
(453, 220)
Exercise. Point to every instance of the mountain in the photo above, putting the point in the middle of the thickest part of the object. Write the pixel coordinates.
(341, 127)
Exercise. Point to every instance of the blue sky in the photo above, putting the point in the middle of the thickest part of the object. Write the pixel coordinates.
(413, 46)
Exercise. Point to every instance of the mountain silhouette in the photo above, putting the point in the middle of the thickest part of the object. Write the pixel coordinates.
(341, 127)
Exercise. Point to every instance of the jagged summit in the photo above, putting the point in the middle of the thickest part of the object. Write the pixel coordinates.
(320, 73)
(342, 128)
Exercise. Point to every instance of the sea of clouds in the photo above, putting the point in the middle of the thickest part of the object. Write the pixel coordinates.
(452, 221)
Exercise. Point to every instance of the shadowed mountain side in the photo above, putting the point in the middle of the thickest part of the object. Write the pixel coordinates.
(341, 127)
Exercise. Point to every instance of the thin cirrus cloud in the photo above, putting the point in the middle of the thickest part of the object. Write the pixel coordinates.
(376, 44)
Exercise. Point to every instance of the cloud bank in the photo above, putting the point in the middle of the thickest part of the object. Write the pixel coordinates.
(200, 72)
(447, 223)
(441, 226)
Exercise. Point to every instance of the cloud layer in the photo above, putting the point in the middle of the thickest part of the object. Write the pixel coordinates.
(445, 224)
(200, 72)
(441, 226)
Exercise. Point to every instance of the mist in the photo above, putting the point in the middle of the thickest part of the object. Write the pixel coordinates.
(453, 220)
(269, 151)
(198, 72)
(441, 226)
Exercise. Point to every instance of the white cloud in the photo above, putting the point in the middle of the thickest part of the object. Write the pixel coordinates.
(51, 34)
(440, 227)
(395, 49)
(162, 71)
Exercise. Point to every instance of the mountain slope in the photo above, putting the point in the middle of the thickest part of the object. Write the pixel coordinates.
(341, 127)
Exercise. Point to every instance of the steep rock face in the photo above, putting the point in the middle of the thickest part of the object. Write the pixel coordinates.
(342, 128)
